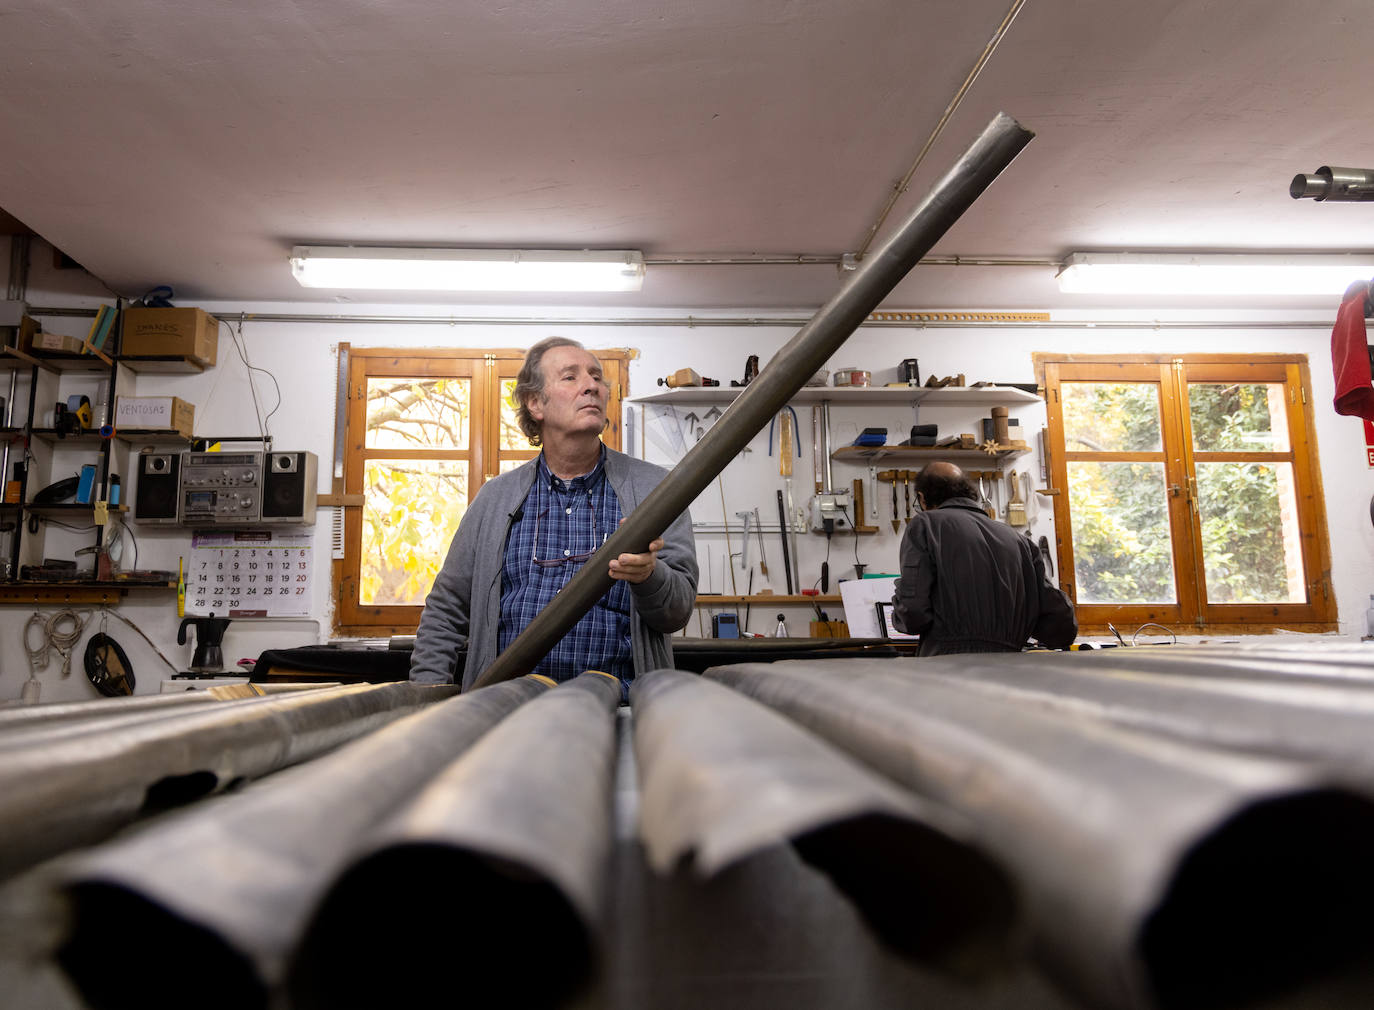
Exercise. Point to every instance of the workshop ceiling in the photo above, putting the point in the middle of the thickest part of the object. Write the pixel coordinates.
(193, 143)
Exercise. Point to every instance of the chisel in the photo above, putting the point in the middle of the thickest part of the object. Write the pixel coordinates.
(763, 557)
(782, 529)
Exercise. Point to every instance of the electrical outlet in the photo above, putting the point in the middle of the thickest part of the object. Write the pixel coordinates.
(835, 506)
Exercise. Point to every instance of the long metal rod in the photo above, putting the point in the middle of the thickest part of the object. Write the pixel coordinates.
(954, 102)
(1131, 848)
(723, 778)
(794, 364)
(703, 322)
(243, 876)
(514, 838)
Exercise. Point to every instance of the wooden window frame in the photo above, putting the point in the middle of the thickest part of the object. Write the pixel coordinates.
(487, 369)
(1191, 614)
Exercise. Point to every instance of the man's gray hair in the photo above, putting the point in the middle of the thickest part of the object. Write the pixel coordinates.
(530, 382)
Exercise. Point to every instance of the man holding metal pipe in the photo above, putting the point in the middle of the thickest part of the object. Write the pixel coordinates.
(969, 583)
(528, 531)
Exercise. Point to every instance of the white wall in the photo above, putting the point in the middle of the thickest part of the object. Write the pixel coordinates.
(303, 358)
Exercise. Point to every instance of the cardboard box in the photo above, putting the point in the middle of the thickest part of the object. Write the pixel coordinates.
(156, 413)
(188, 333)
(56, 342)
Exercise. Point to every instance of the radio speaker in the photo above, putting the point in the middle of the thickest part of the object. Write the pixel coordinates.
(288, 488)
(159, 485)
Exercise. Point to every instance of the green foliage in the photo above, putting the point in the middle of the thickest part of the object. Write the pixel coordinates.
(1122, 549)
(412, 507)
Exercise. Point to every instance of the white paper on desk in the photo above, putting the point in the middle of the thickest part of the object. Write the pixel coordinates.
(860, 613)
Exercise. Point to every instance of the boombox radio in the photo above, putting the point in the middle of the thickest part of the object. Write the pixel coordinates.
(225, 488)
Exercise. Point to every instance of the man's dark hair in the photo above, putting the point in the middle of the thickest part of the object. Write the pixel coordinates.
(530, 382)
(937, 484)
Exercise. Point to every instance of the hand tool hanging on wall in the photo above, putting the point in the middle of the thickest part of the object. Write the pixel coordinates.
(786, 557)
(1016, 508)
(763, 554)
(744, 518)
(786, 436)
(890, 476)
(906, 491)
(985, 501)
(817, 458)
(729, 550)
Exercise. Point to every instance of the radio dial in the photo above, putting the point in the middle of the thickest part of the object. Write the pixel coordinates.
(248, 476)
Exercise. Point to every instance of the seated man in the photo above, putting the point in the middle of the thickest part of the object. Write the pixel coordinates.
(527, 532)
(969, 583)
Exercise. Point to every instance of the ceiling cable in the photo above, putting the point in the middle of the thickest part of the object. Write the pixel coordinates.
(901, 187)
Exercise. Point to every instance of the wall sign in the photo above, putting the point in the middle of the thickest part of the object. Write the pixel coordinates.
(249, 573)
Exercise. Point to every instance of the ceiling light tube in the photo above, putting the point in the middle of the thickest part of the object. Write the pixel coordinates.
(1212, 274)
(400, 269)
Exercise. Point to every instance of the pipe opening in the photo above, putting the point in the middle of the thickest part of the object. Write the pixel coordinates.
(926, 896)
(110, 925)
(476, 924)
(1278, 897)
(178, 790)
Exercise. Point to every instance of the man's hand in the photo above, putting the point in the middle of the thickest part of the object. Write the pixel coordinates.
(636, 568)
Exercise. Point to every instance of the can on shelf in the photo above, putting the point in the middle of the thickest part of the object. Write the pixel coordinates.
(853, 377)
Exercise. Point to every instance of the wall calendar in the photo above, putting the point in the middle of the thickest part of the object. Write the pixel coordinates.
(249, 573)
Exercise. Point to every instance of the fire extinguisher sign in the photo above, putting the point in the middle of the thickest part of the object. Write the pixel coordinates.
(1369, 442)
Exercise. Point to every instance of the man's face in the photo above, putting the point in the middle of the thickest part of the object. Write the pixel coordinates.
(575, 393)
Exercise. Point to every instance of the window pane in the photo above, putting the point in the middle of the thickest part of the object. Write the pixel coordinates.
(511, 435)
(410, 513)
(507, 465)
(1250, 540)
(1111, 416)
(418, 413)
(1121, 547)
(1248, 417)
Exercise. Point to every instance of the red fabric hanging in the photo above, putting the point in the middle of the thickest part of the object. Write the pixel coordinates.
(1350, 356)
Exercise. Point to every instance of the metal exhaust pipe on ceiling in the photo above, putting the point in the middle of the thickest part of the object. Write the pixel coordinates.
(498, 867)
(231, 885)
(1156, 872)
(995, 148)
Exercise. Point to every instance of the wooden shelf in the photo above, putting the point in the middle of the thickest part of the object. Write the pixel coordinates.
(957, 396)
(69, 508)
(59, 361)
(780, 598)
(76, 591)
(923, 454)
(161, 364)
(154, 435)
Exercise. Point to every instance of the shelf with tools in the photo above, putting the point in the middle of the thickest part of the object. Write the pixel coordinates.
(709, 600)
(916, 454)
(948, 396)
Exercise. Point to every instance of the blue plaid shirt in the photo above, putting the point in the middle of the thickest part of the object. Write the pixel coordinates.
(561, 520)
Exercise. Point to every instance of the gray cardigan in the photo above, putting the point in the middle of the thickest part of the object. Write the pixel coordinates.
(464, 607)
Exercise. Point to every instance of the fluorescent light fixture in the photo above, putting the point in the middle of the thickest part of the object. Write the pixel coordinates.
(397, 269)
(1212, 274)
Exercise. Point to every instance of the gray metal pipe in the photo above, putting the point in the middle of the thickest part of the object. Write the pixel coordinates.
(1334, 184)
(1156, 873)
(77, 790)
(493, 875)
(723, 778)
(999, 143)
(15, 715)
(230, 885)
